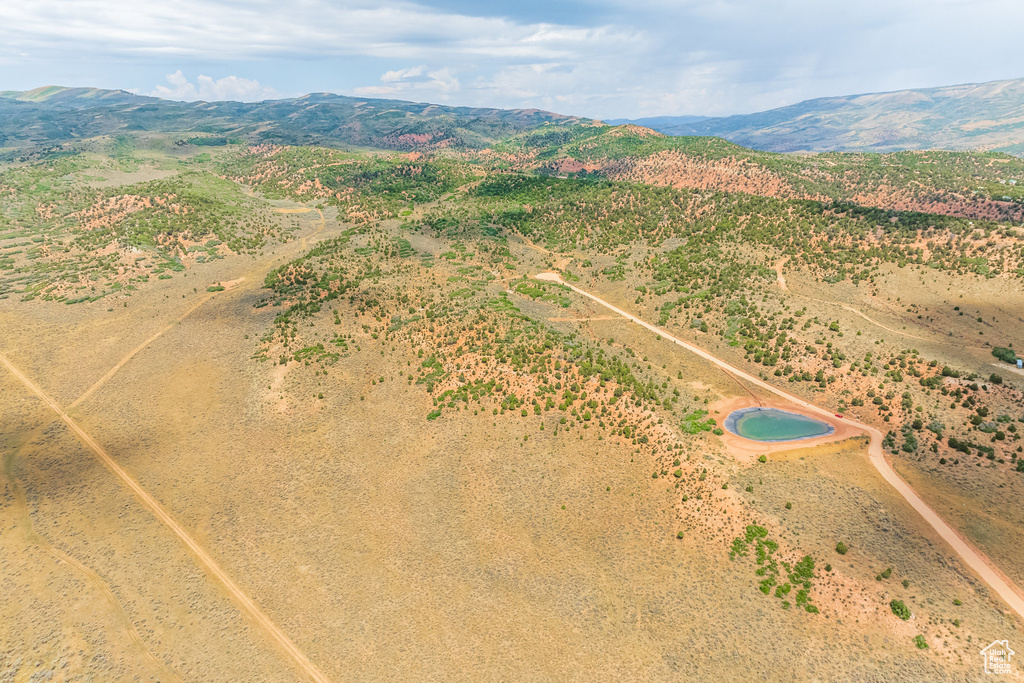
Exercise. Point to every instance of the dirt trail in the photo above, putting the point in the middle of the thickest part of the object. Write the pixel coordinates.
(560, 264)
(781, 279)
(319, 230)
(977, 561)
(902, 333)
(205, 560)
(148, 501)
(779, 276)
(228, 286)
(529, 243)
(102, 380)
(885, 327)
(1008, 368)
(577, 320)
(33, 537)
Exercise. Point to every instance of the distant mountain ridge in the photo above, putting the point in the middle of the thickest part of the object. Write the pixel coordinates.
(974, 116)
(54, 114)
(76, 98)
(659, 122)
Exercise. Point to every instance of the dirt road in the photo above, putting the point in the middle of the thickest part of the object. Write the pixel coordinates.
(981, 565)
(205, 560)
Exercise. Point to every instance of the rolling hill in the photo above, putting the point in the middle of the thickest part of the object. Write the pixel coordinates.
(75, 98)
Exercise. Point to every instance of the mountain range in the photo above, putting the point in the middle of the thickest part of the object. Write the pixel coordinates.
(975, 116)
(984, 117)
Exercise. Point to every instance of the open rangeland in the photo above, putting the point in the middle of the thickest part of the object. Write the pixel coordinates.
(327, 436)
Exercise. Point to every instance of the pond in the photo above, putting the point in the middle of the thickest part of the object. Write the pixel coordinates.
(772, 425)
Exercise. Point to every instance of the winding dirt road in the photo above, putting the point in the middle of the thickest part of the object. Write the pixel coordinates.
(974, 559)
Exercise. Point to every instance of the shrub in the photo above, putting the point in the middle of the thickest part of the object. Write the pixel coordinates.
(900, 609)
(677, 473)
(1004, 354)
(841, 548)
(762, 458)
(909, 442)
(695, 422)
(920, 643)
(679, 535)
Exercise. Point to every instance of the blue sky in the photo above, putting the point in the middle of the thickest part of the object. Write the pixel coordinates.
(602, 58)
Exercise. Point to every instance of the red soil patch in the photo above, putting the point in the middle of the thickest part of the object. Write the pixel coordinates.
(746, 450)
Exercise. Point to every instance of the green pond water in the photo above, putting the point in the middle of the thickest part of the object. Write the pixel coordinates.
(770, 424)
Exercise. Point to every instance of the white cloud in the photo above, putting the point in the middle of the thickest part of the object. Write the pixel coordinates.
(210, 90)
(228, 30)
(439, 84)
(403, 75)
(592, 57)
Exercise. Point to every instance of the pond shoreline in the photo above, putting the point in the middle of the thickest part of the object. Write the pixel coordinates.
(732, 424)
(746, 450)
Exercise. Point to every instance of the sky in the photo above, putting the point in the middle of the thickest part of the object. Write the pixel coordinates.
(596, 58)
